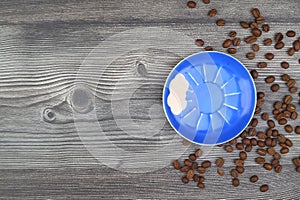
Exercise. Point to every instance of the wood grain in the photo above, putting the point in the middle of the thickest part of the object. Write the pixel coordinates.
(42, 47)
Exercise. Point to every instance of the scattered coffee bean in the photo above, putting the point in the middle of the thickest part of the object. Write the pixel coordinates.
(208, 48)
(261, 152)
(244, 24)
(261, 143)
(234, 173)
(288, 128)
(279, 45)
(267, 41)
(297, 129)
(291, 51)
(271, 151)
(192, 157)
(278, 37)
(291, 107)
(288, 142)
(255, 12)
(198, 153)
(275, 87)
(201, 170)
(255, 47)
(250, 55)
(298, 169)
(264, 188)
(285, 65)
(190, 174)
(199, 42)
(291, 33)
(260, 95)
(212, 12)
(239, 162)
(250, 39)
(296, 45)
(260, 160)
(196, 178)
(257, 110)
(201, 185)
(248, 148)
(294, 115)
(284, 150)
(219, 162)
(206, 164)
(235, 182)
(270, 79)
(256, 32)
(195, 165)
(268, 166)
(296, 162)
(239, 146)
(187, 162)
(271, 123)
(232, 34)
(236, 41)
(191, 4)
(253, 25)
(254, 74)
(231, 50)
(275, 111)
(275, 163)
(220, 22)
(293, 89)
(291, 82)
(206, 1)
(285, 77)
(227, 43)
(240, 169)
(228, 148)
(220, 172)
(260, 20)
(261, 135)
(266, 28)
(269, 56)
(176, 164)
(243, 155)
(262, 65)
(253, 178)
(265, 116)
(254, 122)
(185, 180)
(185, 169)
(282, 121)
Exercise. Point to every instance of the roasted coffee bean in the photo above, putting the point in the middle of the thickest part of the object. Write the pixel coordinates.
(275, 133)
(279, 116)
(201, 170)
(281, 138)
(190, 174)
(252, 132)
(282, 121)
(288, 142)
(250, 55)
(269, 132)
(198, 153)
(201, 179)
(195, 165)
(220, 22)
(206, 164)
(250, 39)
(255, 47)
(236, 41)
(284, 105)
(201, 185)
(208, 48)
(255, 12)
(232, 34)
(261, 152)
(239, 162)
(294, 115)
(260, 20)
(243, 155)
(275, 112)
(253, 25)
(284, 150)
(275, 162)
(239, 146)
(234, 173)
(246, 141)
(270, 79)
(264, 188)
(285, 77)
(296, 45)
(219, 162)
(297, 129)
(212, 12)
(185, 180)
(248, 148)
(233, 141)
(293, 89)
(254, 74)
(269, 56)
(278, 37)
(231, 50)
(244, 24)
(275, 87)
(253, 178)
(256, 32)
(288, 128)
(291, 82)
(199, 42)
(291, 107)
(279, 45)
(296, 162)
(273, 142)
(227, 43)
(278, 168)
(228, 148)
(220, 172)
(261, 143)
(260, 95)
(206, 1)
(235, 182)
(176, 164)
(271, 151)
(260, 102)
(291, 51)
(192, 157)
(267, 41)
(277, 156)
(243, 134)
(288, 99)
(253, 142)
(266, 28)
(196, 178)
(261, 135)
(262, 65)
(268, 166)
(184, 168)
(271, 123)
(291, 33)
(191, 4)
(240, 169)
(277, 105)
(268, 141)
(260, 160)
(187, 162)
(298, 169)
(253, 122)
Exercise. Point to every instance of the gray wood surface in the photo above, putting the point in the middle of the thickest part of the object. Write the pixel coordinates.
(43, 45)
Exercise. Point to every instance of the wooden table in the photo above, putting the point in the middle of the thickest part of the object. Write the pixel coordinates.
(70, 136)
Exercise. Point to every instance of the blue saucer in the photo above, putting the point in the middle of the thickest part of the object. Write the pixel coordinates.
(209, 98)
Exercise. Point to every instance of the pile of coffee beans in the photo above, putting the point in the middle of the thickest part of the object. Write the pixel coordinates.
(265, 143)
